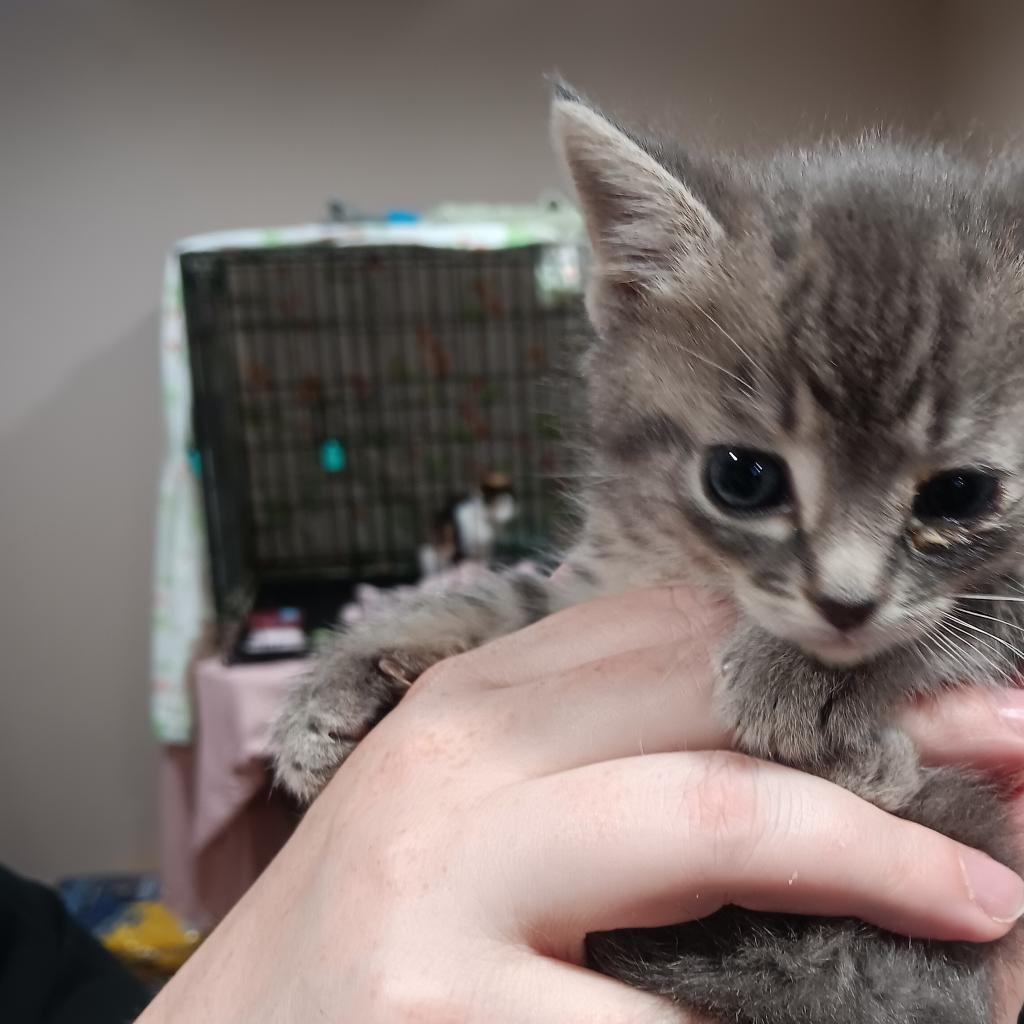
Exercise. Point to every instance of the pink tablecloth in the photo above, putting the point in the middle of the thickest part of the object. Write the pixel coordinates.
(220, 824)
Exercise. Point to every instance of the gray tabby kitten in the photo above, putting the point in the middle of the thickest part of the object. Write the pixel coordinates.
(804, 393)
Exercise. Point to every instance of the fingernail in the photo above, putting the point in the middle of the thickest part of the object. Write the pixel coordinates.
(995, 889)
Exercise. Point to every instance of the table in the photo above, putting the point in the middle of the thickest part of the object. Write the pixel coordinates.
(220, 820)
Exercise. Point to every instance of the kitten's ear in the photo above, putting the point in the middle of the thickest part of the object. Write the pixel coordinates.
(649, 232)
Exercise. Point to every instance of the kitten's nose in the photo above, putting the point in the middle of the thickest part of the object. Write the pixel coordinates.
(842, 614)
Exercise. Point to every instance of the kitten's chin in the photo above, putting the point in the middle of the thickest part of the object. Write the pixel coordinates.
(845, 652)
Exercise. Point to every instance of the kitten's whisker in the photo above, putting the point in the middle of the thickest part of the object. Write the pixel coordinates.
(970, 642)
(751, 392)
(949, 643)
(921, 650)
(1000, 670)
(987, 597)
(739, 348)
(985, 632)
(965, 642)
(992, 618)
(585, 478)
(954, 652)
(968, 667)
(959, 664)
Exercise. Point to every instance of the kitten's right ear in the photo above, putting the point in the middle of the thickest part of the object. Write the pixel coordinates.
(649, 232)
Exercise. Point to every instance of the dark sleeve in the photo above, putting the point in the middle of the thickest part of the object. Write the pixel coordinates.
(52, 971)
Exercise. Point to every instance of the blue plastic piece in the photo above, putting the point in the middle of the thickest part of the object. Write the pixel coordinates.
(333, 458)
(402, 217)
(94, 900)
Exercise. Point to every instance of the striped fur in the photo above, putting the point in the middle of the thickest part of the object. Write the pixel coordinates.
(858, 314)
(857, 311)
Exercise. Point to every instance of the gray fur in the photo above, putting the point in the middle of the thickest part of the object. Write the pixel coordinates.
(857, 310)
(369, 667)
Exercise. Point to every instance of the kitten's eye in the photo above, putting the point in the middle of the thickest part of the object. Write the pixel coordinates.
(959, 494)
(741, 480)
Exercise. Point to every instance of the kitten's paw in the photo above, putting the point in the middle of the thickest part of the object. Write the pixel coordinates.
(887, 774)
(331, 710)
(322, 721)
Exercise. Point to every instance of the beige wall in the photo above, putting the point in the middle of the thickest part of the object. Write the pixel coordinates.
(983, 58)
(124, 125)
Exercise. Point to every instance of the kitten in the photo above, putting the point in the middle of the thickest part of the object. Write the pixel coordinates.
(804, 393)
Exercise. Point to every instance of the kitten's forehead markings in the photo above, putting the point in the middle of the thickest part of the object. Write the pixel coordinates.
(995, 441)
(803, 455)
(807, 475)
(749, 361)
(922, 426)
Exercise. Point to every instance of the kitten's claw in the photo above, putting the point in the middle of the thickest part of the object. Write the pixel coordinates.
(323, 720)
(326, 716)
(309, 747)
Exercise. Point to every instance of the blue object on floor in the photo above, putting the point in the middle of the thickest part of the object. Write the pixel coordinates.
(94, 900)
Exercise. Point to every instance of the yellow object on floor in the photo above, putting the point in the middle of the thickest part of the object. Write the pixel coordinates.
(149, 937)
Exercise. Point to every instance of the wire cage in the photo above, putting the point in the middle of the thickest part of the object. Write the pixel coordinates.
(343, 395)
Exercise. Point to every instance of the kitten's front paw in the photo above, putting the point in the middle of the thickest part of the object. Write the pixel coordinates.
(887, 773)
(323, 719)
(334, 707)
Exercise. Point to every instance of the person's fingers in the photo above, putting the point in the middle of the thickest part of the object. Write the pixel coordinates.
(647, 701)
(984, 728)
(538, 990)
(1009, 992)
(646, 841)
(589, 632)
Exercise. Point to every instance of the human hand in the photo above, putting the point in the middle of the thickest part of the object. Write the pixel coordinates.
(984, 729)
(533, 790)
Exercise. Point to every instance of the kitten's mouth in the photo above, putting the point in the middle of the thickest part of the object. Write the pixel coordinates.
(843, 649)
(828, 645)
(836, 647)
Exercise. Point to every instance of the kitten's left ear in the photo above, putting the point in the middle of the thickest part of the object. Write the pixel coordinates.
(648, 230)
